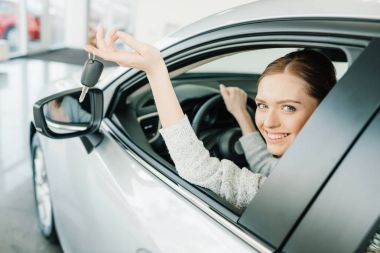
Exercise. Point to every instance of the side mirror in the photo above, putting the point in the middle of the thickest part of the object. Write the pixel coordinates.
(62, 116)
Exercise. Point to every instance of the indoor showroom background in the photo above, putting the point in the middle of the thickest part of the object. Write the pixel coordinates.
(42, 41)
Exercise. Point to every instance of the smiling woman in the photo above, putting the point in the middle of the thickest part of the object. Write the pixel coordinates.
(283, 107)
(289, 91)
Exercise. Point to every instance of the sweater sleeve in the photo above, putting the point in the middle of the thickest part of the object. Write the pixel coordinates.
(257, 155)
(194, 163)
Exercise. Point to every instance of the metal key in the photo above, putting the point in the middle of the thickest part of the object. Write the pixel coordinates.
(90, 75)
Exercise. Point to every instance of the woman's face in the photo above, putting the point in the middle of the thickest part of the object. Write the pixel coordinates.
(283, 107)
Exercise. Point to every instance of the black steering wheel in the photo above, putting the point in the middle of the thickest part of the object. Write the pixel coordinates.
(221, 142)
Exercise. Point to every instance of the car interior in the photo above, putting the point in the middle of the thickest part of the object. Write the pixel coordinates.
(197, 88)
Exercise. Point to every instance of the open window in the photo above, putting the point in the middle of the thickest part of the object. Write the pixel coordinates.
(196, 83)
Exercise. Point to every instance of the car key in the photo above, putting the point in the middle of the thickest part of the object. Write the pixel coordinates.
(90, 75)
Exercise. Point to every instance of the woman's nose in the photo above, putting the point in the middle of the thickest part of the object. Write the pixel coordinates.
(271, 120)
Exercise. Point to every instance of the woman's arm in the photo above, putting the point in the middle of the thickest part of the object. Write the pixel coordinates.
(147, 58)
(193, 163)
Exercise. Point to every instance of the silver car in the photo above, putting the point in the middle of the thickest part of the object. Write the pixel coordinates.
(104, 181)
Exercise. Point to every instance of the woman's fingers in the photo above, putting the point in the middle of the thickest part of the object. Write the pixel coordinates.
(125, 59)
(100, 37)
(106, 55)
(111, 37)
(232, 94)
(94, 50)
(130, 41)
(114, 37)
(224, 90)
(142, 56)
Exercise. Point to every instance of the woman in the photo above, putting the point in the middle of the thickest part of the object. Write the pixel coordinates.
(285, 100)
(316, 76)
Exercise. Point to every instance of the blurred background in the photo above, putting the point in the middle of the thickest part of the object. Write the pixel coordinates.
(41, 41)
(30, 26)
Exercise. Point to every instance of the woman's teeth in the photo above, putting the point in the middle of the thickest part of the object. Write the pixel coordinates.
(277, 136)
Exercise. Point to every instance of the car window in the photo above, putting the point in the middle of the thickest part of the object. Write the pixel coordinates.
(254, 62)
(195, 84)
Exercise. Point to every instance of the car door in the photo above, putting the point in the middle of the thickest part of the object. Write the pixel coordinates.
(273, 228)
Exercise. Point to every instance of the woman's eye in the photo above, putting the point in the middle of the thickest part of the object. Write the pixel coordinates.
(261, 106)
(288, 108)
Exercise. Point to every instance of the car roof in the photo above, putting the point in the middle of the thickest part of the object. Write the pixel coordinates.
(278, 9)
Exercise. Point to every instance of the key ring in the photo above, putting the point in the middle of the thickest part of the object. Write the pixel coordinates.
(93, 56)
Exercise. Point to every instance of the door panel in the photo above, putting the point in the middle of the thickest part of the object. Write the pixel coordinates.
(162, 216)
(344, 216)
(107, 202)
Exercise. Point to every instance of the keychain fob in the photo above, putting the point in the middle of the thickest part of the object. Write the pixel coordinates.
(90, 75)
(91, 72)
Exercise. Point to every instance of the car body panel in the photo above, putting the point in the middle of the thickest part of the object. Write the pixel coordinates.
(149, 214)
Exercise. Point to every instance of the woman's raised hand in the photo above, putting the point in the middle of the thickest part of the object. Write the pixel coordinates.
(143, 56)
(146, 58)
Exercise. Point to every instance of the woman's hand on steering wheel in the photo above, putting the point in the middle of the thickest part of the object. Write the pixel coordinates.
(235, 100)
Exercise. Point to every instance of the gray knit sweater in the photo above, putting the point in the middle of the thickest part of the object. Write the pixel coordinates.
(257, 155)
(194, 163)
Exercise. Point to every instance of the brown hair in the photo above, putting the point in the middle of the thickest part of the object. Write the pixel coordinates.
(311, 66)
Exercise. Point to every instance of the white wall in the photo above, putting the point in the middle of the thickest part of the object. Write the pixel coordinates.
(76, 15)
(156, 19)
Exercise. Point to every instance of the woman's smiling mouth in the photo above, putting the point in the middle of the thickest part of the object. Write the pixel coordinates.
(274, 138)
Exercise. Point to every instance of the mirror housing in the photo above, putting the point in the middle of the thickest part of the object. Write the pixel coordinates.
(65, 104)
